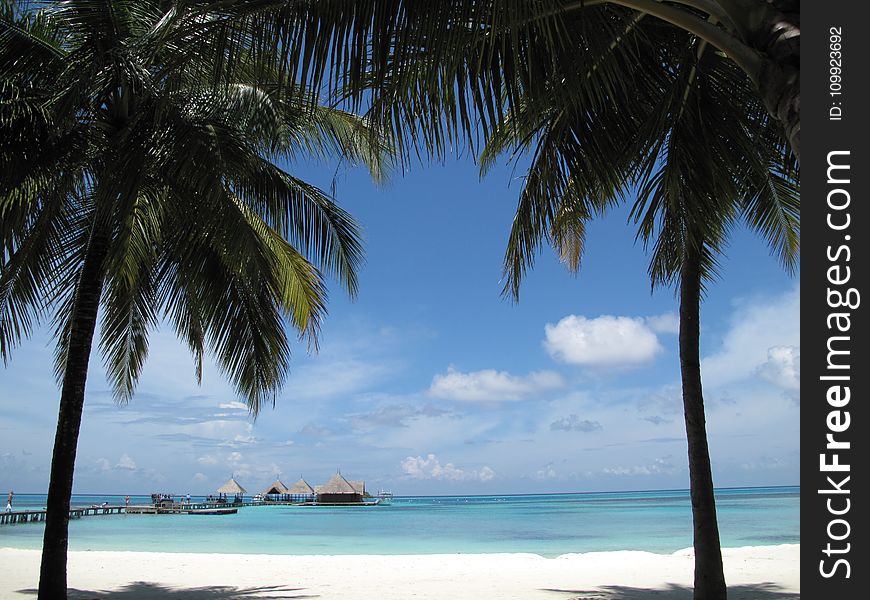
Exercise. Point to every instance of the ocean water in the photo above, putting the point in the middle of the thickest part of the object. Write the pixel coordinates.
(548, 525)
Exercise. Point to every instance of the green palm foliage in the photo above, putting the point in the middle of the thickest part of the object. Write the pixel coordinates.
(443, 64)
(695, 102)
(691, 141)
(139, 143)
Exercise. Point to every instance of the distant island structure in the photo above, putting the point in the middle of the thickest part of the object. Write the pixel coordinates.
(231, 487)
(337, 491)
(277, 489)
(301, 491)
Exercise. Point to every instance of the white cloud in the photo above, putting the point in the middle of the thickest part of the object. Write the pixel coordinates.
(241, 440)
(757, 327)
(430, 467)
(783, 367)
(548, 472)
(605, 341)
(234, 405)
(485, 474)
(658, 466)
(664, 323)
(104, 464)
(126, 463)
(199, 478)
(207, 460)
(492, 386)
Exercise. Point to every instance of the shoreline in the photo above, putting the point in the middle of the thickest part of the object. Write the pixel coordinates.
(755, 572)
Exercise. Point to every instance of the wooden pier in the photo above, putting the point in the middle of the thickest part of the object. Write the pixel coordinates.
(164, 508)
(36, 516)
(175, 508)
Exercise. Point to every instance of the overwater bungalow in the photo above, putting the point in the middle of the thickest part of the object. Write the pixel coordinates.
(301, 491)
(231, 487)
(276, 491)
(339, 490)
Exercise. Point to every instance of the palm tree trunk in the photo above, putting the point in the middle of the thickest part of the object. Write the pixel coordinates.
(52, 574)
(709, 576)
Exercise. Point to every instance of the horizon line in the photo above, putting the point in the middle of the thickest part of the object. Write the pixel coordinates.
(513, 494)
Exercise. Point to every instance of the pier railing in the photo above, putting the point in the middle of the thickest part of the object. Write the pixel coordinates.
(37, 516)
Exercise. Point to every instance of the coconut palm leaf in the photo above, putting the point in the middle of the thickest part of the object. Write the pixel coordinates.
(138, 176)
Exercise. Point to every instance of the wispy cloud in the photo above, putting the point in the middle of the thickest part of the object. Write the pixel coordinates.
(394, 415)
(312, 430)
(656, 467)
(418, 467)
(334, 378)
(547, 472)
(757, 327)
(575, 423)
(657, 420)
(126, 463)
(490, 386)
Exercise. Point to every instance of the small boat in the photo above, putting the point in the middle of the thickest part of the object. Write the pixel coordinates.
(385, 498)
(212, 511)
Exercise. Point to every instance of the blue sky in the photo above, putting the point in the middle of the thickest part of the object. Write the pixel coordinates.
(432, 383)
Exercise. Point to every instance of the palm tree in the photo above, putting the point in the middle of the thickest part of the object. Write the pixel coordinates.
(444, 55)
(694, 144)
(695, 100)
(761, 37)
(139, 185)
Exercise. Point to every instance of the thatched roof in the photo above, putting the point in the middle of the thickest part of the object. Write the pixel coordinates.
(300, 488)
(359, 486)
(276, 488)
(231, 487)
(337, 485)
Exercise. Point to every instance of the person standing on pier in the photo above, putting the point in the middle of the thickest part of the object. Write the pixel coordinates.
(9, 502)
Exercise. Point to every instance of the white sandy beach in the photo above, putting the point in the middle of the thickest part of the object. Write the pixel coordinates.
(757, 573)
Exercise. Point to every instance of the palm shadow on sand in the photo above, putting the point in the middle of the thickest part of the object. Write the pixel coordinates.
(143, 590)
(760, 591)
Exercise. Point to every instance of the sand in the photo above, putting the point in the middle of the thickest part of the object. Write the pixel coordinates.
(757, 573)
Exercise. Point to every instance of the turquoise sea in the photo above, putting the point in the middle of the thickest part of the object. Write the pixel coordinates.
(549, 525)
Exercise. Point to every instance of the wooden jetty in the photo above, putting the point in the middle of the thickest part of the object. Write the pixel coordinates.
(338, 491)
(36, 516)
(176, 508)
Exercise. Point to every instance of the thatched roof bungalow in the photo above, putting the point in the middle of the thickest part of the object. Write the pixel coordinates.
(231, 487)
(301, 490)
(339, 490)
(276, 489)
